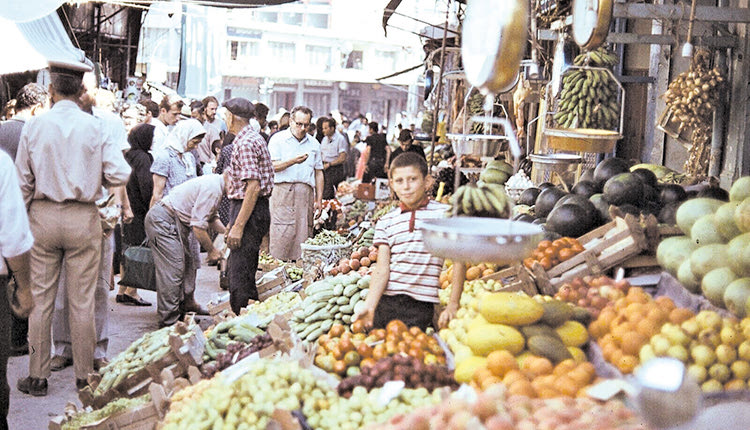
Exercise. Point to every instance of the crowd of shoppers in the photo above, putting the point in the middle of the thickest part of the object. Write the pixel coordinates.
(173, 174)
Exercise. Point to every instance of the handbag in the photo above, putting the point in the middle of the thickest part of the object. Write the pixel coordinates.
(138, 270)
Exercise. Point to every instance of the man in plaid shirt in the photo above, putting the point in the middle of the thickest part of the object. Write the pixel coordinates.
(250, 185)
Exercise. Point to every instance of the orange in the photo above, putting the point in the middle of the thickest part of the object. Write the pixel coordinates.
(598, 329)
(473, 273)
(637, 295)
(680, 315)
(627, 363)
(500, 362)
(588, 368)
(580, 376)
(619, 332)
(658, 314)
(537, 366)
(615, 357)
(566, 386)
(512, 376)
(665, 303)
(648, 327)
(547, 393)
(564, 367)
(522, 387)
(489, 381)
(632, 342)
(481, 374)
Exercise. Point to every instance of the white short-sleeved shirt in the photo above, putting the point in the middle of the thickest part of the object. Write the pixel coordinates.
(113, 128)
(331, 147)
(160, 135)
(413, 270)
(284, 146)
(196, 201)
(15, 235)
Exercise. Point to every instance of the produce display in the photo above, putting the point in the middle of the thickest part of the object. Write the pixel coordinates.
(715, 350)
(362, 257)
(249, 401)
(330, 301)
(592, 293)
(399, 367)
(236, 330)
(486, 200)
(366, 407)
(267, 260)
(148, 349)
(623, 328)
(496, 172)
(589, 98)
(366, 240)
(326, 238)
(294, 273)
(344, 353)
(515, 323)
(551, 253)
(495, 409)
(472, 289)
(382, 210)
(713, 258)
(517, 184)
(112, 408)
(356, 212)
(473, 271)
(234, 352)
(278, 304)
(447, 177)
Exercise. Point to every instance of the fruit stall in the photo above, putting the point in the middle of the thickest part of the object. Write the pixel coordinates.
(600, 292)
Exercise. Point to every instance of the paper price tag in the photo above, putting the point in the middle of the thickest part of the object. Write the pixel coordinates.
(390, 391)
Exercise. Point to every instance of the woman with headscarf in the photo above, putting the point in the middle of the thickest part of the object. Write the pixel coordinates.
(172, 166)
(139, 188)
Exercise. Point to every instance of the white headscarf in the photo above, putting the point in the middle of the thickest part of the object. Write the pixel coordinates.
(178, 138)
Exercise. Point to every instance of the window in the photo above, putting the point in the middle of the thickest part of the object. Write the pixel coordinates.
(239, 50)
(317, 20)
(268, 16)
(291, 18)
(354, 61)
(233, 49)
(318, 56)
(385, 60)
(282, 51)
(227, 93)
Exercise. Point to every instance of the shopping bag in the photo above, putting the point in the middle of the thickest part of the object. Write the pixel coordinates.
(138, 270)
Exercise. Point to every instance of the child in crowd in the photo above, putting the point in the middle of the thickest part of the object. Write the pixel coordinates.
(405, 282)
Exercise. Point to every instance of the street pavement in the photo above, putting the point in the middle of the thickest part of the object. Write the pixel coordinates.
(126, 324)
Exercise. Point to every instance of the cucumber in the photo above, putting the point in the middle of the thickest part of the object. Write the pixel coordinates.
(350, 290)
(343, 300)
(338, 289)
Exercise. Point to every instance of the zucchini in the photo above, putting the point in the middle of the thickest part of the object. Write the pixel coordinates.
(309, 329)
(338, 290)
(363, 293)
(322, 296)
(350, 290)
(348, 309)
(343, 300)
(319, 315)
(347, 319)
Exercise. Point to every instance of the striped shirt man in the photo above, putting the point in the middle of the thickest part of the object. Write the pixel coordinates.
(413, 271)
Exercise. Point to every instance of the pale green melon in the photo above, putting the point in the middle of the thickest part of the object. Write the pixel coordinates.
(707, 258)
(705, 231)
(690, 210)
(736, 295)
(740, 189)
(672, 251)
(687, 279)
(739, 261)
(724, 220)
(715, 283)
(742, 216)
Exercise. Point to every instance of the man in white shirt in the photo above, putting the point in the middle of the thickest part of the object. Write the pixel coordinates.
(15, 243)
(63, 161)
(169, 114)
(210, 104)
(334, 150)
(298, 185)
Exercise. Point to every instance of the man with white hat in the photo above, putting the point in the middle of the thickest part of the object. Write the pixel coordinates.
(63, 160)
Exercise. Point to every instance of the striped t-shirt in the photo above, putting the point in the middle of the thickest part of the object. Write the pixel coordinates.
(413, 271)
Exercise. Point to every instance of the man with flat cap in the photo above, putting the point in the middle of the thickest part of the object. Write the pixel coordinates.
(63, 161)
(250, 185)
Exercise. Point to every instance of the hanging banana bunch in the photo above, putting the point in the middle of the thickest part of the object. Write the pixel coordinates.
(589, 98)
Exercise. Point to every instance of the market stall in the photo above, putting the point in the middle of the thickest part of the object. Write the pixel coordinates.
(581, 285)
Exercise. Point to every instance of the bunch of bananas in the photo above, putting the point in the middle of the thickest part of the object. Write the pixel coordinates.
(589, 97)
(496, 172)
(487, 200)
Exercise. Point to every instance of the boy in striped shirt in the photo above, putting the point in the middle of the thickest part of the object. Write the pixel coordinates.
(405, 282)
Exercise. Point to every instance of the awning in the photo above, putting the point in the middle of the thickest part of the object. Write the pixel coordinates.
(19, 56)
(23, 11)
(390, 10)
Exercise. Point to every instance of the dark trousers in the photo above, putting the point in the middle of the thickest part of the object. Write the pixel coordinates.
(5, 313)
(243, 261)
(402, 307)
(332, 176)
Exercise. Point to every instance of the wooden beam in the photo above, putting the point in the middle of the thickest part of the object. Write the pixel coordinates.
(681, 12)
(655, 39)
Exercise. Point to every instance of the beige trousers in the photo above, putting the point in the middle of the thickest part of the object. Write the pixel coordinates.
(291, 219)
(67, 233)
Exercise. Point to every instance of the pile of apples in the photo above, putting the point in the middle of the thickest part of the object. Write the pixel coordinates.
(592, 293)
(360, 260)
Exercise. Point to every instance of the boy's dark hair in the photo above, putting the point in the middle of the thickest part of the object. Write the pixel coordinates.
(409, 159)
(374, 126)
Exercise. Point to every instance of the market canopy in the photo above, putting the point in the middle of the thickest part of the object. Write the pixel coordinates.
(390, 10)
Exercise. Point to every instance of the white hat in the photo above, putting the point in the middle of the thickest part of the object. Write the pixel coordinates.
(71, 67)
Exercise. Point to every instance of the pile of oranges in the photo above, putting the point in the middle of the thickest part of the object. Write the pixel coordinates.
(624, 327)
(535, 376)
(473, 272)
(551, 253)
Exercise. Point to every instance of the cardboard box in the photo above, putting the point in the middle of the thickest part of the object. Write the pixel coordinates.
(365, 192)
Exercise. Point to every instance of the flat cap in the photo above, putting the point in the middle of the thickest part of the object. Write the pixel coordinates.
(241, 107)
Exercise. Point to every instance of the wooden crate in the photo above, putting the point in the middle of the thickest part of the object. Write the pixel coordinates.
(514, 278)
(605, 247)
(181, 356)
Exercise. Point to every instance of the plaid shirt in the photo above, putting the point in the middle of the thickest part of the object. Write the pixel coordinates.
(250, 161)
